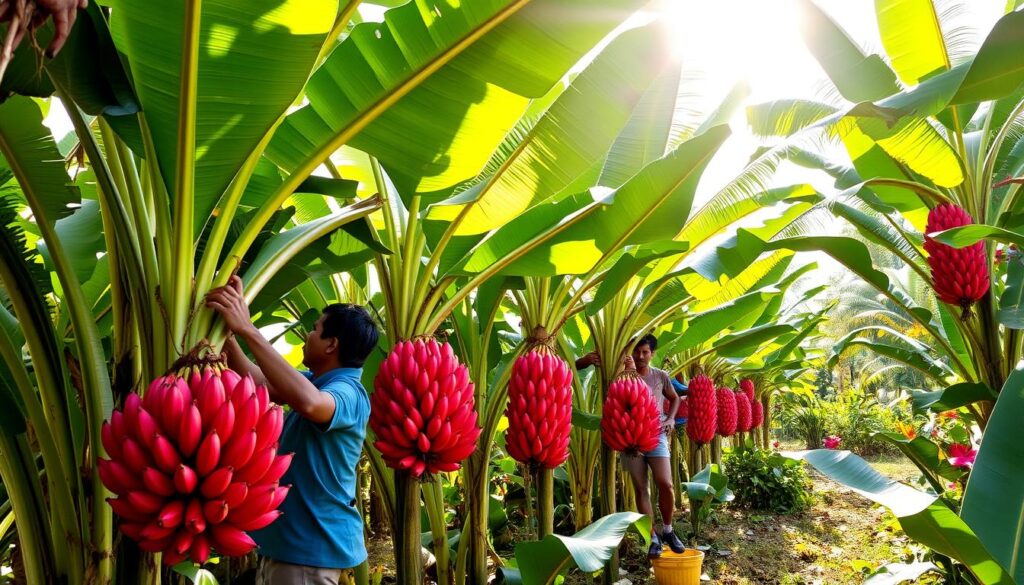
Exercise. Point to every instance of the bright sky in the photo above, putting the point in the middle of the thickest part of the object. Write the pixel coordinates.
(760, 41)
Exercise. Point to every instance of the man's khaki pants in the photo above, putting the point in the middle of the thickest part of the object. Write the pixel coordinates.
(273, 572)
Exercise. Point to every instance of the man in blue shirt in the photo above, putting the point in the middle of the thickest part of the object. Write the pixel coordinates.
(320, 533)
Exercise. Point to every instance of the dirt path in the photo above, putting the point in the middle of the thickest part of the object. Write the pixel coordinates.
(839, 539)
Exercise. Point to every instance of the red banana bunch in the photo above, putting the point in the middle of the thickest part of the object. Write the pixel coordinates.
(194, 463)
(630, 422)
(539, 409)
(703, 420)
(726, 411)
(756, 414)
(422, 408)
(747, 387)
(959, 275)
(743, 418)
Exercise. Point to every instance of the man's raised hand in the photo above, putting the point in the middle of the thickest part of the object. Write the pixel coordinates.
(229, 302)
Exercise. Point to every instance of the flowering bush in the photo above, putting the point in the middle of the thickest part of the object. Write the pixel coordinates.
(961, 455)
(832, 441)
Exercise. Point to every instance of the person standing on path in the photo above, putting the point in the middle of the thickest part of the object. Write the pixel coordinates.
(658, 459)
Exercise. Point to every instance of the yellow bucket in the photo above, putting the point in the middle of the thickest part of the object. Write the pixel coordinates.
(678, 568)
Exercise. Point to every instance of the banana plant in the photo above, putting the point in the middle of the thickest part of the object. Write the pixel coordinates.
(932, 125)
(38, 394)
(175, 168)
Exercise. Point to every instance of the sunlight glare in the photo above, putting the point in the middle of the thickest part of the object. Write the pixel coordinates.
(743, 39)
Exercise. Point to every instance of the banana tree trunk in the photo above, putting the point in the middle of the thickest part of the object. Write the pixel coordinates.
(408, 556)
(434, 498)
(478, 494)
(608, 472)
(545, 502)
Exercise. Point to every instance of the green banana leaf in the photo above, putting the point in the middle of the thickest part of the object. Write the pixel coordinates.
(703, 326)
(912, 38)
(432, 91)
(541, 562)
(253, 59)
(575, 131)
(646, 209)
(38, 164)
(645, 137)
(993, 502)
(744, 343)
(859, 77)
(896, 573)
(629, 265)
(924, 517)
(952, 398)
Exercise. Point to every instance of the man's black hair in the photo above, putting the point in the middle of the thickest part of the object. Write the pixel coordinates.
(355, 331)
(648, 340)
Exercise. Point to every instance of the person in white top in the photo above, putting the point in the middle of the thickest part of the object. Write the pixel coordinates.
(658, 459)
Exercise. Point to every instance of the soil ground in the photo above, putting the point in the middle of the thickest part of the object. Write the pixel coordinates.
(838, 539)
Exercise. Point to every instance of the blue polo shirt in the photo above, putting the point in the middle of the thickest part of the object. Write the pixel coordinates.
(321, 526)
(682, 390)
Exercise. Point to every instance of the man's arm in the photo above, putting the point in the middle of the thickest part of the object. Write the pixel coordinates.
(587, 360)
(669, 392)
(239, 362)
(290, 387)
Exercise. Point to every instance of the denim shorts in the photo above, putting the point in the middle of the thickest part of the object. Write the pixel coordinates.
(660, 451)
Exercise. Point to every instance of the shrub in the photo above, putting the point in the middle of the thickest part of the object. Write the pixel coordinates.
(763, 480)
(852, 415)
(857, 417)
(801, 416)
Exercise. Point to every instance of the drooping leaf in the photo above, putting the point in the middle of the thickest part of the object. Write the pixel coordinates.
(786, 117)
(540, 562)
(953, 397)
(998, 69)
(917, 359)
(575, 131)
(650, 207)
(969, 235)
(994, 509)
(29, 151)
(433, 89)
(703, 326)
(645, 137)
(859, 77)
(924, 517)
(896, 573)
(744, 343)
